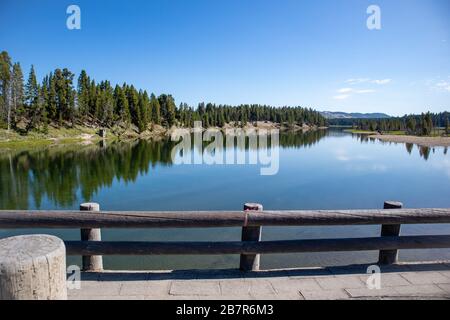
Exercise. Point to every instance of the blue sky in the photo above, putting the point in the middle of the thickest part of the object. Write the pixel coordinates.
(316, 54)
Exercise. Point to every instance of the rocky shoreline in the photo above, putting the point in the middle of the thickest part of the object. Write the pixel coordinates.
(88, 135)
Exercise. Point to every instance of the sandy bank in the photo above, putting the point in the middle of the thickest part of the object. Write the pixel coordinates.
(421, 141)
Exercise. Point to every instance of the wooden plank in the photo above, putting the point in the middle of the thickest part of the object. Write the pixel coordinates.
(388, 257)
(266, 247)
(251, 262)
(91, 263)
(349, 217)
(105, 219)
(213, 219)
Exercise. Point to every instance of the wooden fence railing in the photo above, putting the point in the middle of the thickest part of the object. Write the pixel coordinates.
(90, 220)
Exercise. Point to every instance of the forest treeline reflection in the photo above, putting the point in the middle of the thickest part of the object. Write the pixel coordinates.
(66, 174)
(424, 151)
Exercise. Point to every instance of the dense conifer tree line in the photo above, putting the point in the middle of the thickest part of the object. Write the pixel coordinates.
(423, 124)
(61, 99)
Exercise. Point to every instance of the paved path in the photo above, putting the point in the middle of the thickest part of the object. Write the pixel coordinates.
(406, 281)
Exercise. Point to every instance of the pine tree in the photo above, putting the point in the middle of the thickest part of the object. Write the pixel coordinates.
(133, 104)
(411, 124)
(143, 111)
(83, 94)
(69, 112)
(168, 109)
(121, 105)
(5, 89)
(44, 94)
(92, 99)
(32, 98)
(221, 119)
(17, 93)
(65, 95)
(155, 109)
(50, 103)
(428, 124)
(58, 101)
(39, 118)
(105, 104)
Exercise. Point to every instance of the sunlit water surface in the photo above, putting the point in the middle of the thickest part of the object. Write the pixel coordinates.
(317, 170)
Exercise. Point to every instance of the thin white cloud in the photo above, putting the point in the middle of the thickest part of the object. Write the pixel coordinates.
(345, 90)
(368, 80)
(381, 82)
(364, 91)
(341, 97)
(344, 156)
(439, 84)
(443, 85)
(345, 93)
(357, 80)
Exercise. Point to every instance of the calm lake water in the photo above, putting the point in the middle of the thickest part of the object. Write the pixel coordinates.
(327, 169)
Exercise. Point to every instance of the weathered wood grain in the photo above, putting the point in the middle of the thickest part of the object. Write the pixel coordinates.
(105, 219)
(213, 219)
(255, 247)
(91, 263)
(32, 267)
(251, 262)
(387, 257)
(349, 217)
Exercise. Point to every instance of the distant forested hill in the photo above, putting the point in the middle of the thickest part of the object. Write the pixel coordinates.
(345, 115)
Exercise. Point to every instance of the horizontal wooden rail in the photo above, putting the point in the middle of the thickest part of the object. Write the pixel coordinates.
(90, 220)
(212, 219)
(255, 247)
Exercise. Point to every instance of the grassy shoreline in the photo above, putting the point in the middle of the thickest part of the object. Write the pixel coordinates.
(76, 134)
(368, 132)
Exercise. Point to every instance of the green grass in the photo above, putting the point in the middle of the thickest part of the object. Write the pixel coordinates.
(13, 139)
(356, 131)
(24, 143)
(435, 133)
(396, 133)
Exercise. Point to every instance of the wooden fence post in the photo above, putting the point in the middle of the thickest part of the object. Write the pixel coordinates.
(388, 257)
(91, 263)
(250, 262)
(33, 267)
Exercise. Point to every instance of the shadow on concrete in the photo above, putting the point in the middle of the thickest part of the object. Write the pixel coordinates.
(236, 274)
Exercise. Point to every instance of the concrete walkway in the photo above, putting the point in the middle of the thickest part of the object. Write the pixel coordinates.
(405, 281)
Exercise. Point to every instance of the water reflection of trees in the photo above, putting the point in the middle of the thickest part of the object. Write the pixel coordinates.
(307, 139)
(424, 151)
(66, 174)
(61, 173)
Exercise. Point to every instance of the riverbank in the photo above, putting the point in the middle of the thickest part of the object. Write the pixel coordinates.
(61, 135)
(368, 132)
(88, 135)
(421, 141)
